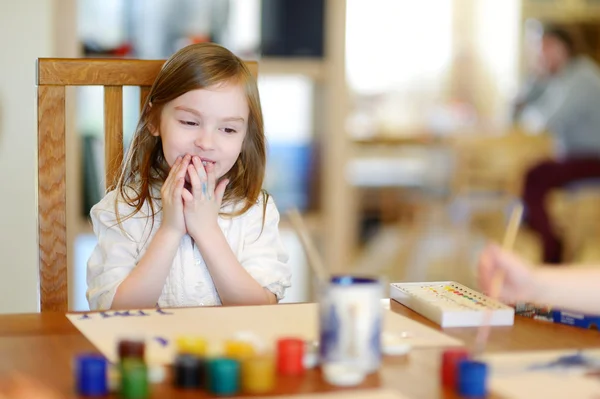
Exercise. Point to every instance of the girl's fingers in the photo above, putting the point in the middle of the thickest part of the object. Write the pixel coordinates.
(201, 173)
(183, 166)
(210, 179)
(200, 167)
(220, 191)
(175, 174)
(180, 172)
(187, 196)
(178, 189)
(170, 176)
(195, 181)
(507, 260)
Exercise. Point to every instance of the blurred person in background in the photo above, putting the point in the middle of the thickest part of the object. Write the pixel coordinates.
(563, 99)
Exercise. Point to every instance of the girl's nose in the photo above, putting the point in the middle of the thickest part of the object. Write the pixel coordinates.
(204, 140)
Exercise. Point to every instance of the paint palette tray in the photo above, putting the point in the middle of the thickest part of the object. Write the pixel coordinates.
(451, 304)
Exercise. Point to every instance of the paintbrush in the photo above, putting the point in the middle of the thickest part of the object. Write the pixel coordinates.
(314, 259)
(510, 236)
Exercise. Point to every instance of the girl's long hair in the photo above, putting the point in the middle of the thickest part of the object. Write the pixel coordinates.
(196, 66)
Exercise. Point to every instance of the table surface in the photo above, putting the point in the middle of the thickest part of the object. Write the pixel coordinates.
(42, 345)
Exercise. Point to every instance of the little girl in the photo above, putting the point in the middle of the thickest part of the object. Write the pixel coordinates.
(188, 223)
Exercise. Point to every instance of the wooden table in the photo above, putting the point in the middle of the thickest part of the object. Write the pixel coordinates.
(43, 346)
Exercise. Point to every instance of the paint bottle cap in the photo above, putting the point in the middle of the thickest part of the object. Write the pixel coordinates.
(290, 345)
(472, 379)
(131, 348)
(237, 349)
(290, 356)
(252, 338)
(223, 376)
(192, 345)
(188, 371)
(91, 375)
(342, 375)
(449, 369)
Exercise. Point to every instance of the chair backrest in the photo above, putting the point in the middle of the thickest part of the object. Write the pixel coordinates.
(497, 164)
(53, 75)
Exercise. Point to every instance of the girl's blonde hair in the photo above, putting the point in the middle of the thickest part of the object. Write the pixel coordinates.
(196, 66)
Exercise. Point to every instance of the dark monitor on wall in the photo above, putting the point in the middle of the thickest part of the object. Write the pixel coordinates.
(292, 28)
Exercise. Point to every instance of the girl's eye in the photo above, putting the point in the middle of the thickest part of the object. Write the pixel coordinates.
(188, 123)
(229, 130)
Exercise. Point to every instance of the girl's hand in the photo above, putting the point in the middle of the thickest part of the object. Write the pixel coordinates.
(201, 206)
(171, 195)
(519, 280)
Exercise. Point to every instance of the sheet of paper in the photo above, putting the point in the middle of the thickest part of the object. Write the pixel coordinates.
(160, 328)
(545, 374)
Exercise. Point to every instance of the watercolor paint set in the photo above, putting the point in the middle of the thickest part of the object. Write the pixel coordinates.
(451, 304)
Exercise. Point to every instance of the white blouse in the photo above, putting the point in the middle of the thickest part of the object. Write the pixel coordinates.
(258, 249)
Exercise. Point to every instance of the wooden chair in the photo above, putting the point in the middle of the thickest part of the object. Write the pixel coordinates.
(53, 76)
(489, 175)
(496, 164)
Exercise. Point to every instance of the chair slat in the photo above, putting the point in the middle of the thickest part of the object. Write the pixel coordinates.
(113, 133)
(103, 72)
(52, 198)
(92, 72)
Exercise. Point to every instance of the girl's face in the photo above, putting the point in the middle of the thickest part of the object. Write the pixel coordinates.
(210, 123)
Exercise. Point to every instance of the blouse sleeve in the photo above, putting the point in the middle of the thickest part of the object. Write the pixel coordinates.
(116, 251)
(263, 254)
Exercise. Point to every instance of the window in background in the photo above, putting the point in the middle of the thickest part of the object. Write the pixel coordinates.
(393, 45)
(398, 54)
(287, 105)
(434, 67)
(497, 34)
